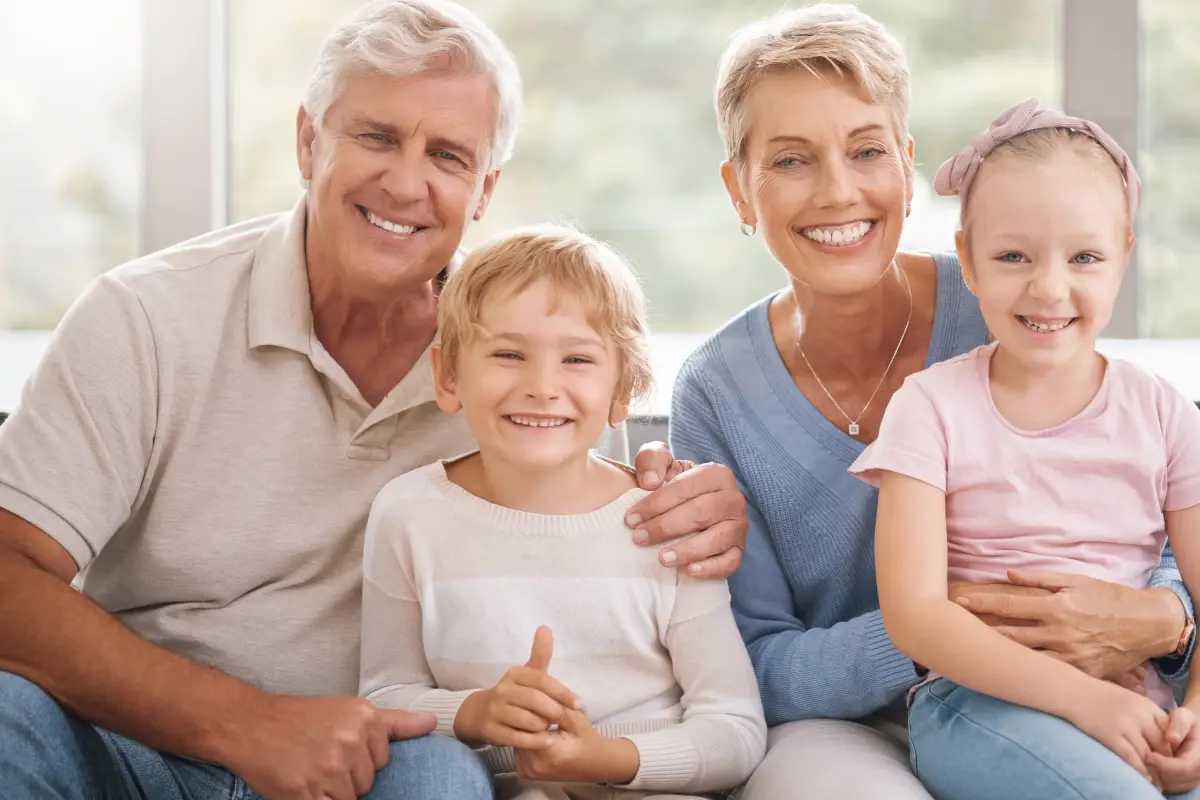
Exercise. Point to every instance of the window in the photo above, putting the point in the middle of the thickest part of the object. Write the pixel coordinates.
(69, 151)
(1170, 162)
(619, 131)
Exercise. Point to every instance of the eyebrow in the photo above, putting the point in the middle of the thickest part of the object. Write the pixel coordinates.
(570, 341)
(861, 129)
(437, 143)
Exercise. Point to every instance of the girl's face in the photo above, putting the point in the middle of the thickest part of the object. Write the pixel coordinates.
(1044, 248)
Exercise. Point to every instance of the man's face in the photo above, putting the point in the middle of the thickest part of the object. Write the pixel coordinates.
(397, 170)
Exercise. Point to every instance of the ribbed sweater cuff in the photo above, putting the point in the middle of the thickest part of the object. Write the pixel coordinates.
(443, 704)
(668, 760)
(892, 669)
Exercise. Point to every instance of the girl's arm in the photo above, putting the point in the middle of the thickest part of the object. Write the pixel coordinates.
(723, 735)
(911, 569)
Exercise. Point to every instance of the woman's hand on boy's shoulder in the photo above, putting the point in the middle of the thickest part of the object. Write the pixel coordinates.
(701, 502)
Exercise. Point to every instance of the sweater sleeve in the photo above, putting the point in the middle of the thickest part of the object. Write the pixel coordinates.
(723, 735)
(394, 673)
(845, 671)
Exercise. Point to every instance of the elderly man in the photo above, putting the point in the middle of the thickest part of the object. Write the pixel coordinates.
(207, 431)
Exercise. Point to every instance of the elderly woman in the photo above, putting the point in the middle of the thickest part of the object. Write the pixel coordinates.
(812, 106)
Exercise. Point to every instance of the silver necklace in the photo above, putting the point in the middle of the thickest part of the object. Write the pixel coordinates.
(853, 427)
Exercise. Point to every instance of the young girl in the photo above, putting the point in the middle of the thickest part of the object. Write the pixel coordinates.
(503, 593)
(1035, 452)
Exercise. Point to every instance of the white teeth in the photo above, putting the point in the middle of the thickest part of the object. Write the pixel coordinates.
(1045, 327)
(380, 222)
(840, 236)
(539, 422)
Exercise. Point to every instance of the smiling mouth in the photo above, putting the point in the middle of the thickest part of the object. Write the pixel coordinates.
(390, 227)
(839, 235)
(537, 422)
(1047, 325)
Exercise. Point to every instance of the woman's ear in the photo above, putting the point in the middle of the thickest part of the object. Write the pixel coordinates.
(443, 382)
(734, 189)
(964, 260)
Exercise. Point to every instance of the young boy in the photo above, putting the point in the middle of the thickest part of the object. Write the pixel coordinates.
(502, 592)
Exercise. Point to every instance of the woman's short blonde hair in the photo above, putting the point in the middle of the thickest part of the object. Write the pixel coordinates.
(824, 38)
(576, 265)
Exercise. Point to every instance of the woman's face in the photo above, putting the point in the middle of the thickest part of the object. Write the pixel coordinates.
(824, 179)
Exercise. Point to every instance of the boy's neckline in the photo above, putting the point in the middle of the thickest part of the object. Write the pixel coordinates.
(609, 515)
(604, 482)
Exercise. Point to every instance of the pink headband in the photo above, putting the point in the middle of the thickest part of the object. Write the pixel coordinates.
(955, 176)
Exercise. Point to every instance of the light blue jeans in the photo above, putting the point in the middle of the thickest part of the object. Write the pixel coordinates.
(47, 753)
(967, 746)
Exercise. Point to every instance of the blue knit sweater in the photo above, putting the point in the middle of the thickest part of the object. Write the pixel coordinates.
(805, 597)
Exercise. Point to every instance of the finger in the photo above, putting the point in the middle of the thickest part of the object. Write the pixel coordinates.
(522, 719)
(1140, 672)
(407, 724)
(574, 722)
(339, 787)
(543, 649)
(651, 464)
(1129, 755)
(1178, 728)
(719, 566)
(658, 512)
(724, 538)
(536, 701)
(548, 685)
(1035, 637)
(1130, 681)
(362, 773)
(1044, 579)
(678, 468)
(377, 746)
(504, 736)
(1008, 606)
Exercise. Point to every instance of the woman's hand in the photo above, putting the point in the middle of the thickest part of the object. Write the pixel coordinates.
(1128, 724)
(519, 710)
(1180, 772)
(701, 502)
(1104, 629)
(578, 754)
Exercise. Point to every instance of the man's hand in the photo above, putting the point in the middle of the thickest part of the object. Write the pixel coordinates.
(301, 748)
(687, 499)
(1102, 628)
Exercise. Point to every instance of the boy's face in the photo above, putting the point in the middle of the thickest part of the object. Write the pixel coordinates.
(538, 387)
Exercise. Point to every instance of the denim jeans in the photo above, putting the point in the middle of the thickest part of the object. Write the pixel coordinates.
(967, 745)
(47, 753)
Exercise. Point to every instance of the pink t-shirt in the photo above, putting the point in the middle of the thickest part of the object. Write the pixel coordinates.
(1085, 497)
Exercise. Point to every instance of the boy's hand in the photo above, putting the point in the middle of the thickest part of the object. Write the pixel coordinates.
(519, 710)
(579, 754)
(1179, 772)
(1128, 724)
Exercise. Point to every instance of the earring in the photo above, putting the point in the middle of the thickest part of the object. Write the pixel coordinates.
(749, 230)
(907, 209)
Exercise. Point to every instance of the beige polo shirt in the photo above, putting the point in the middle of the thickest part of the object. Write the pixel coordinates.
(209, 466)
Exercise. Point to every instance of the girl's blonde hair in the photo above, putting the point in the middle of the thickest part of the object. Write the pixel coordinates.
(577, 266)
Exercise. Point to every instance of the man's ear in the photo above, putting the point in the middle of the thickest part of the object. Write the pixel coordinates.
(443, 382)
(305, 134)
(485, 197)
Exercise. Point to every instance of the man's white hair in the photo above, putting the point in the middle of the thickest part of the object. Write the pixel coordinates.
(404, 37)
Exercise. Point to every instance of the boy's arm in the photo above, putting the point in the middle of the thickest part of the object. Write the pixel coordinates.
(723, 735)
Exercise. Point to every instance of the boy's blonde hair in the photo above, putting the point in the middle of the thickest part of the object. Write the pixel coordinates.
(821, 38)
(576, 265)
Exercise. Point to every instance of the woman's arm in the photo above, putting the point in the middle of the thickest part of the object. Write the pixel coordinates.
(1183, 531)
(911, 569)
(845, 671)
(723, 735)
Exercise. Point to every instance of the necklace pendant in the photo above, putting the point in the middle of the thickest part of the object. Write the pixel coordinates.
(853, 429)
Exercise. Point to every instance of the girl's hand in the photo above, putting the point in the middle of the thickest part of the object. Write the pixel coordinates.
(519, 710)
(1130, 725)
(579, 754)
(1180, 772)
